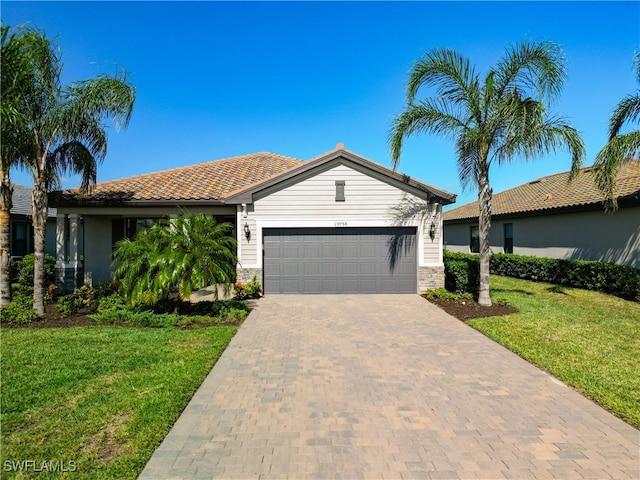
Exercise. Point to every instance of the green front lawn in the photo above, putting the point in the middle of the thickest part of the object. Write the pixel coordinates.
(97, 400)
(587, 339)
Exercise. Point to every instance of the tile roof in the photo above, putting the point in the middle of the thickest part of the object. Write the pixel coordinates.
(552, 193)
(209, 181)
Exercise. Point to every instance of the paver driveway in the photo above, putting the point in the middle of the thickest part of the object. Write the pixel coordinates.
(384, 386)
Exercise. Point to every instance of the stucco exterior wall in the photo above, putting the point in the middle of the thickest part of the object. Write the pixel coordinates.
(584, 235)
(95, 240)
(97, 255)
(310, 201)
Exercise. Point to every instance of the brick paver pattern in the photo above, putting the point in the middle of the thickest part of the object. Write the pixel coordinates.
(384, 387)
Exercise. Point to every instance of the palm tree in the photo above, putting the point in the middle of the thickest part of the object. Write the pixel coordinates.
(64, 128)
(621, 147)
(180, 255)
(18, 54)
(491, 120)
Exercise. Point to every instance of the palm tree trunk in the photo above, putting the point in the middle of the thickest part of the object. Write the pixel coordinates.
(40, 207)
(5, 255)
(484, 225)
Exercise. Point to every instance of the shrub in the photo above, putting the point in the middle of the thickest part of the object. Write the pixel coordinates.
(175, 256)
(216, 308)
(86, 298)
(251, 289)
(111, 303)
(20, 310)
(462, 273)
(25, 268)
(610, 278)
(444, 294)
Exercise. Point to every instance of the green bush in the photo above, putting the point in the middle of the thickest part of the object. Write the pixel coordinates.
(462, 273)
(146, 318)
(111, 303)
(25, 268)
(610, 278)
(216, 308)
(86, 298)
(444, 294)
(251, 289)
(20, 310)
(69, 305)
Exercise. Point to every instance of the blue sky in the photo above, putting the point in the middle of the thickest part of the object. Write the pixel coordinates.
(219, 79)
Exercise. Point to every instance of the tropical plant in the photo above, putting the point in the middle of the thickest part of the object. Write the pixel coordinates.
(492, 120)
(180, 255)
(622, 147)
(55, 129)
(16, 71)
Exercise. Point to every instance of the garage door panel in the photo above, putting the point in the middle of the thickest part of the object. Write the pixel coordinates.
(311, 269)
(368, 268)
(290, 251)
(350, 285)
(330, 285)
(330, 251)
(349, 251)
(329, 268)
(290, 269)
(311, 250)
(342, 260)
(348, 268)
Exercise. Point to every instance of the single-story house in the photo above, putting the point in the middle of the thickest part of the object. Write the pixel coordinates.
(318, 226)
(20, 226)
(557, 218)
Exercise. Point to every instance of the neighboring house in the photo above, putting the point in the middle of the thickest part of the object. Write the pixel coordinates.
(557, 218)
(317, 226)
(20, 228)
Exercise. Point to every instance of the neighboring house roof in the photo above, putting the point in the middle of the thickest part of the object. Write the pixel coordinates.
(245, 195)
(228, 181)
(554, 193)
(21, 200)
(209, 181)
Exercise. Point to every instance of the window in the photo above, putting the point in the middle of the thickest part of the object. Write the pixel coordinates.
(340, 190)
(508, 238)
(128, 227)
(21, 239)
(474, 242)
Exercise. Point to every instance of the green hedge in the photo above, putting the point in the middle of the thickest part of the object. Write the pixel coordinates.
(619, 280)
(462, 273)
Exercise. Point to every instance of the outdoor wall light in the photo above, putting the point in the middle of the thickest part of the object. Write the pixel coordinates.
(432, 230)
(247, 231)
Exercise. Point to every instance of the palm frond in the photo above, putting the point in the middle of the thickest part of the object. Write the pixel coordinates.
(628, 110)
(429, 116)
(614, 155)
(535, 67)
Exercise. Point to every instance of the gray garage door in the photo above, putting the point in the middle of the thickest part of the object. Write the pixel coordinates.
(340, 260)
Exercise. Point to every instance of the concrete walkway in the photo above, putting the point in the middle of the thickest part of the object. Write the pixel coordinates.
(384, 386)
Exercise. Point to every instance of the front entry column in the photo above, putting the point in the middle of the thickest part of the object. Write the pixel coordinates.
(68, 265)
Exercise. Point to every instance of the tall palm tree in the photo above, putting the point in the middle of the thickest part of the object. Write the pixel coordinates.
(494, 119)
(18, 55)
(64, 127)
(621, 147)
(180, 255)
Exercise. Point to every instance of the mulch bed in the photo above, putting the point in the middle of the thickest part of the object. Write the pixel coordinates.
(462, 310)
(468, 309)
